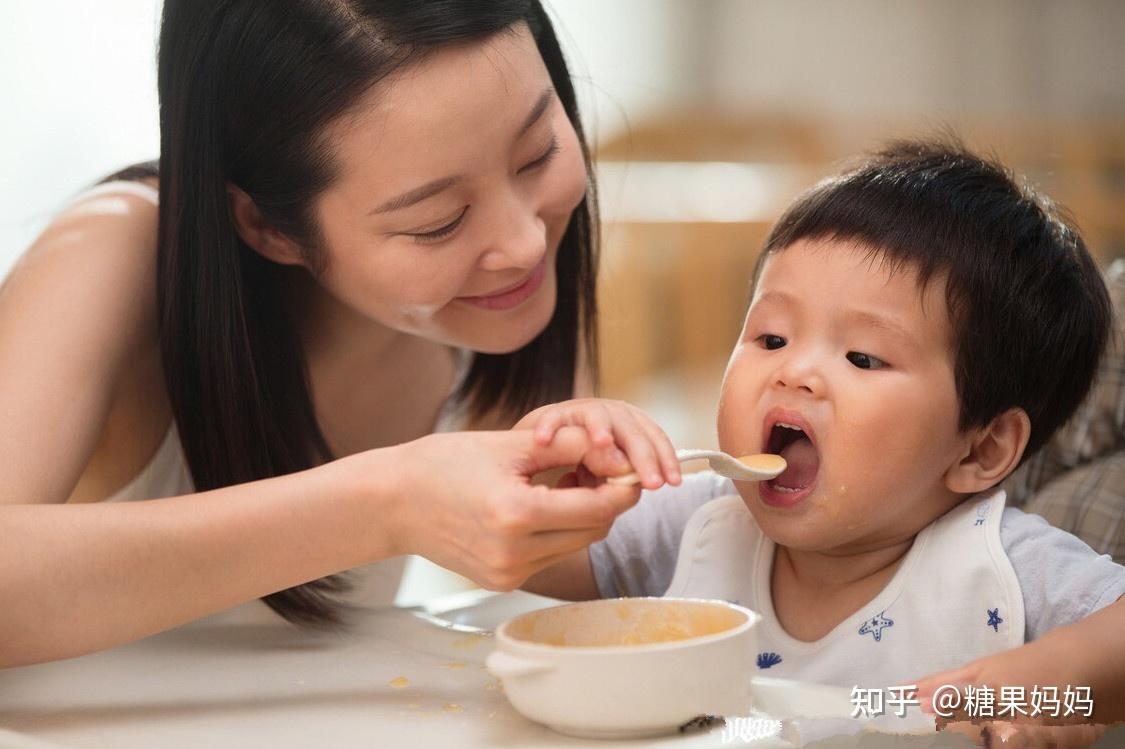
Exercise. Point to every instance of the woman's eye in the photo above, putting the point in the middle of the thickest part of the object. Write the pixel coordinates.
(771, 341)
(865, 361)
(442, 232)
(543, 160)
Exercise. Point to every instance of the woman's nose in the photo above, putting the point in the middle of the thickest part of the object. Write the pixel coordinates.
(518, 237)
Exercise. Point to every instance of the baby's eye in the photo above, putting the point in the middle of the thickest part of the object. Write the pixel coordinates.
(865, 361)
(771, 341)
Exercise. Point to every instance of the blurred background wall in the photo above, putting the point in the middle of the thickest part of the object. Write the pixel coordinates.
(708, 116)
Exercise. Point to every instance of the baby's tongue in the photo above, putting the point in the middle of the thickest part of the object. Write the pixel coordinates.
(802, 463)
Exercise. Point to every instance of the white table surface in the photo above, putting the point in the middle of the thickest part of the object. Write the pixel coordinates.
(245, 678)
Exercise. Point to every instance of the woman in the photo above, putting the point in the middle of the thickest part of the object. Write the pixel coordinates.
(352, 196)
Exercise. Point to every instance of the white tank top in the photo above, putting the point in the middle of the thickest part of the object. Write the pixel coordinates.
(166, 474)
(954, 598)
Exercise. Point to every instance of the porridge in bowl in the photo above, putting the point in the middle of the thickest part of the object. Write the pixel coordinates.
(624, 621)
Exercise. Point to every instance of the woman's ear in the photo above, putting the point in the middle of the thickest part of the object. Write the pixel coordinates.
(257, 233)
(991, 454)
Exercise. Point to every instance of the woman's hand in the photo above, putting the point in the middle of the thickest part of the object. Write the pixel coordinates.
(623, 436)
(465, 501)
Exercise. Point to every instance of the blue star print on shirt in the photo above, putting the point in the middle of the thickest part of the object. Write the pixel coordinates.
(765, 660)
(994, 619)
(876, 625)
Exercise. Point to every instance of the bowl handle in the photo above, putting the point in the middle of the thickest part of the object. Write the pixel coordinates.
(505, 665)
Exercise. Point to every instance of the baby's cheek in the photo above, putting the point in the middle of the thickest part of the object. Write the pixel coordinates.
(858, 462)
(735, 428)
(739, 421)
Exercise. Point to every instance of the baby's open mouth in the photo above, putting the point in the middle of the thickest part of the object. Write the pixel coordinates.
(801, 457)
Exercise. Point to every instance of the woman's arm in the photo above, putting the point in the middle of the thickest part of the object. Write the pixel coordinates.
(79, 578)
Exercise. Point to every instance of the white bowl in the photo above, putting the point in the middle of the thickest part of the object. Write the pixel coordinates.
(627, 667)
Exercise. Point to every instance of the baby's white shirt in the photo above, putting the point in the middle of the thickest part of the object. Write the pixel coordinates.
(959, 594)
(947, 604)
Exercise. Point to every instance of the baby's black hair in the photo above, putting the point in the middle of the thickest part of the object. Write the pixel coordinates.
(1029, 311)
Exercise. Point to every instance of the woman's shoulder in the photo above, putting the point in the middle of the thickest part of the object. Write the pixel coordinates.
(145, 189)
(98, 254)
(109, 222)
(78, 333)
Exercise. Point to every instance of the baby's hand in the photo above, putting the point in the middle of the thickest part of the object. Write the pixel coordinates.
(1023, 668)
(624, 437)
(997, 734)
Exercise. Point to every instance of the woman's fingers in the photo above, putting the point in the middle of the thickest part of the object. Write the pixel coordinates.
(507, 556)
(593, 415)
(548, 546)
(647, 447)
(469, 503)
(599, 424)
(606, 461)
(547, 426)
(568, 447)
(665, 451)
(638, 447)
(621, 438)
(576, 508)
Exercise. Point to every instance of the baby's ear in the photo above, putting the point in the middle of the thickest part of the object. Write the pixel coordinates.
(257, 233)
(993, 452)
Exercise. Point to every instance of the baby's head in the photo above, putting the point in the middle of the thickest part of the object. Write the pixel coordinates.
(926, 324)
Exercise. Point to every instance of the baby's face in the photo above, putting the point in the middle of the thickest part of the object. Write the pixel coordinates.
(862, 362)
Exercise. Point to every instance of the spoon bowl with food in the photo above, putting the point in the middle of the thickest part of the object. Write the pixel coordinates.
(761, 467)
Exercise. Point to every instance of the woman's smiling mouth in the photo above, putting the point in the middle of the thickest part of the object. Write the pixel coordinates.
(511, 296)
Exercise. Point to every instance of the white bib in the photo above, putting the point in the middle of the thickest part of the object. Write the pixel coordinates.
(954, 598)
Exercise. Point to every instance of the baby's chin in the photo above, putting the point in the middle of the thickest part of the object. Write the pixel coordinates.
(800, 532)
(812, 506)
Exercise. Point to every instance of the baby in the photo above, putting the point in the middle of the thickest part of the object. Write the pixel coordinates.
(917, 328)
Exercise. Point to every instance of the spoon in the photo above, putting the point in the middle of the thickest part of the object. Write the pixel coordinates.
(761, 467)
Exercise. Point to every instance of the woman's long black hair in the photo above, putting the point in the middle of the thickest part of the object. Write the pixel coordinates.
(246, 89)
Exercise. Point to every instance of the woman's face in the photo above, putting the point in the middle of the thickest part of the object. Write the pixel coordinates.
(456, 183)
